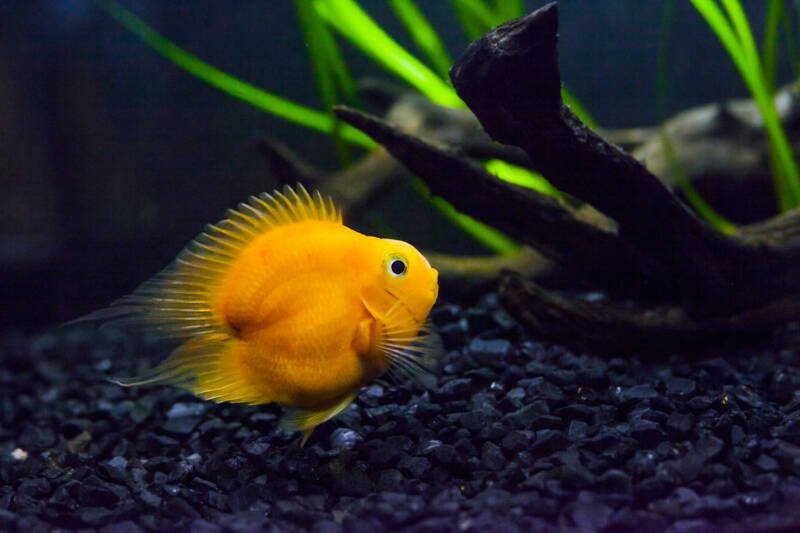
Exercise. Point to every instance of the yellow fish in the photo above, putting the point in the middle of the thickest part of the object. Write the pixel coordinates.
(280, 302)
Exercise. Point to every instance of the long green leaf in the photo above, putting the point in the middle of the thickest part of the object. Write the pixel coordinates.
(323, 40)
(786, 173)
(473, 29)
(475, 16)
(769, 53)
(791, 44)
(737, 39)
(509, 9)
(578, 108)
(521, 176)
(326, 61)
(494, 240)
(480, 12)
(352, 22)
(423, 34)
(703, 208)
(719, 24)
(742, 28)
(312, 29)
(235, 87)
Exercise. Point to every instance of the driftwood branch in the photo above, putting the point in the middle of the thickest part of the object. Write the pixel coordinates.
(709, 284)
(610, 326)
(510, 80)
(463, 269)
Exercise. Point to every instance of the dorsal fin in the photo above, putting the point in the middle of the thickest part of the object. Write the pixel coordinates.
(257, 216)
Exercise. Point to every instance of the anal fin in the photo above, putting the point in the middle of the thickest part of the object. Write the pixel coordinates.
(304, 420)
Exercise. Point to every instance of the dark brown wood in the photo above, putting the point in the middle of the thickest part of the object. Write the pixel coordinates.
(611, 326)
(510, 80)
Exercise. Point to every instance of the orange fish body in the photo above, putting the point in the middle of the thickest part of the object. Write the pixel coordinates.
(282, 303)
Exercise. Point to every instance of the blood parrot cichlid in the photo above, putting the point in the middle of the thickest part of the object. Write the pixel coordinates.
(280, 302)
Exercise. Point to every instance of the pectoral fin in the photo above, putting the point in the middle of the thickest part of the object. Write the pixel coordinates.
(305, 421)
(413, 349)
(364, 336)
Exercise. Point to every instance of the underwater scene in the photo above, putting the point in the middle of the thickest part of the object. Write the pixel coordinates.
(400, 265)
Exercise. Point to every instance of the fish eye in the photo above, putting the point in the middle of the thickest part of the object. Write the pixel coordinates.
(397, 267)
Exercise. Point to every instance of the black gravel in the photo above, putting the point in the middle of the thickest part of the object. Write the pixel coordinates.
(517, 436)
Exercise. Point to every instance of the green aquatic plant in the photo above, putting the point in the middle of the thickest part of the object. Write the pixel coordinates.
(423, 34)
(779, 20)
(521, 176)
(478, 16)
(353, 23)
(682, 181)
(701, 207)
(347, 18)
(320, 18)
(264, 100)
(333, 79)
(769, 54)
(777, 17)
(729, 22)
(787, 24)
